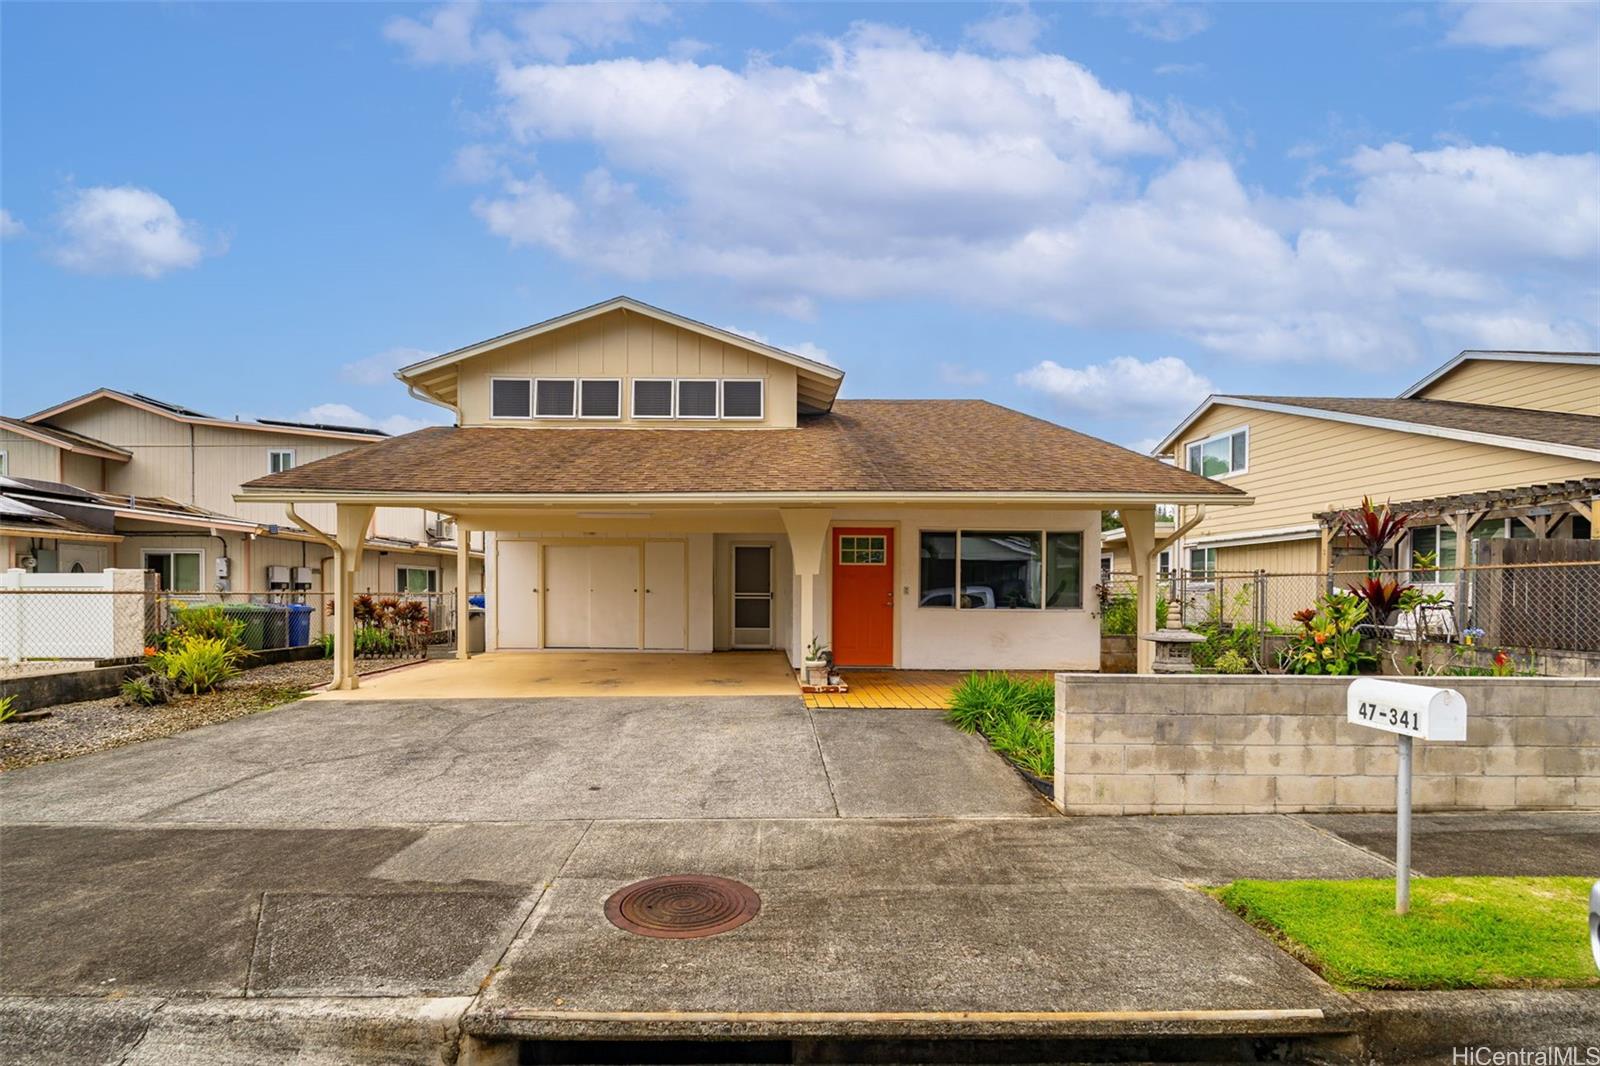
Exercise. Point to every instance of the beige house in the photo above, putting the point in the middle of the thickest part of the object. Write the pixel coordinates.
(157, 484)
(649, 482)
(1489, 445)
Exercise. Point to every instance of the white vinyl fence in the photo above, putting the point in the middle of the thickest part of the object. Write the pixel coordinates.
(72, 616)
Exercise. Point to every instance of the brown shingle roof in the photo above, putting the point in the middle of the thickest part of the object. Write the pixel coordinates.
(886, 446)
(1551, 427)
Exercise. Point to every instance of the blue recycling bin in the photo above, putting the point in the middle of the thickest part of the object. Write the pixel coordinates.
(299, 624)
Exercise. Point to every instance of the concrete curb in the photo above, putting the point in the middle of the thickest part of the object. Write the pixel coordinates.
(1404, 1027)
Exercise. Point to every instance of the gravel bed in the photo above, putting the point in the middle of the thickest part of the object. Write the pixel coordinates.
(95, 725)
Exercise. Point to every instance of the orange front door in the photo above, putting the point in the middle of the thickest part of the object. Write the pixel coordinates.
(863, 597)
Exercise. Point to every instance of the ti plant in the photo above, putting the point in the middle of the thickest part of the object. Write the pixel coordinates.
(1375, 527)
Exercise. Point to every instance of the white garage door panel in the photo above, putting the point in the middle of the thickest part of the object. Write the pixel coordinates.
(613, 596)
(566, 596)
(517, 593)
(665, 621)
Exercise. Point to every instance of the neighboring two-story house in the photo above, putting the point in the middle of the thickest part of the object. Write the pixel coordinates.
(650, 482)
(152, 487)
(1489, 445)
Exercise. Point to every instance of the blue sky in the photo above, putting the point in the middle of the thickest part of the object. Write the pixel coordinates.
(1093, 212)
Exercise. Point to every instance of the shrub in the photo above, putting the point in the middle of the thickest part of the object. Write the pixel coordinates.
(1119, 615)
(327, 645)
(1013, 713)
(1025, 740)
(1231, 662)
(8, 708)
(146, 690)
(1329, 639)
(372, 640)
(197, 664)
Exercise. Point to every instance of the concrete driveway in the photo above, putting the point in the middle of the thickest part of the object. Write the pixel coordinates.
(525, 760)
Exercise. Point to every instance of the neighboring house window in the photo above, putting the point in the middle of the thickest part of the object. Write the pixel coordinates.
(1202, 564)
(510, 398)
(5, 464)
(697, 398)
(416, 579)
(600, 398)
(1433, 554)
(279, 460)
(1001, 570)
(1107, 562)
(1164, 563)
(179, 571)
(555, 397)
(652, 397)
(742, 399)
(1226, 453)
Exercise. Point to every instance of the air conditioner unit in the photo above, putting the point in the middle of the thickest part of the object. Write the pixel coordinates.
(224, 567)
(441, 529)
(277, 577)
(302, 577)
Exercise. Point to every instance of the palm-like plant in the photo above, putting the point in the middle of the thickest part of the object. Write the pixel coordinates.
(1375, 527)
(1383, 597)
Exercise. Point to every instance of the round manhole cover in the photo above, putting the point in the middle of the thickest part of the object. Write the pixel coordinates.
(681, 906)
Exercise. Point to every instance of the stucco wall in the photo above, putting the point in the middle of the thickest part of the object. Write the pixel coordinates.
(1188, 745)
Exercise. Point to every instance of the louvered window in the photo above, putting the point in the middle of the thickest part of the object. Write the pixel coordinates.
(510, 398)
(741, 399)
(600, 398)
(697, 399)
(652, 398)
(555, 397)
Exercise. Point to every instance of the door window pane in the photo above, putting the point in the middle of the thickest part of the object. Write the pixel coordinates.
(938, 565)
(1064, 571)
(752, 612)
(752, 570)
(1000, 570)
(862, 551)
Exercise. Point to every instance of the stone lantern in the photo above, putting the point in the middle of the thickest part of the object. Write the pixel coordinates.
(1174, 648)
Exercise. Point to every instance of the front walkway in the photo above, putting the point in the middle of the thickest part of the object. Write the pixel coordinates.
(904, 689)
(506, 675)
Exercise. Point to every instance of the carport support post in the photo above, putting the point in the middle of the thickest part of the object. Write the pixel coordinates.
(353, 521)
(808, 536)
(463, 561)
(1139, 526)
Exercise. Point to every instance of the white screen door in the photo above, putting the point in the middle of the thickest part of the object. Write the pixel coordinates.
(752, 596)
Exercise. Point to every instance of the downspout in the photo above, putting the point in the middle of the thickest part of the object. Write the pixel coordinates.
(1169, 540)
(415, 395)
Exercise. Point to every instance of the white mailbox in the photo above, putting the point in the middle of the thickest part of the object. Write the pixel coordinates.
(1414, 710)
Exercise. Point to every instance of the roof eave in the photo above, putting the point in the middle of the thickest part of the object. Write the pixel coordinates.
(444, 500)
(1477, 354)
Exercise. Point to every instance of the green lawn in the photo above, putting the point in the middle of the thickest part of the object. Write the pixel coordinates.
(1462, 932)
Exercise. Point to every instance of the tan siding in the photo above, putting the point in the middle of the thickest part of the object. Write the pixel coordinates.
(625, 346)
(26, 457)
(1542, 386)
(84, 471)
(1282, 557)
(1299, 466)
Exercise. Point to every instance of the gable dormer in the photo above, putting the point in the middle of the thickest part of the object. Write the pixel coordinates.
(626, 364)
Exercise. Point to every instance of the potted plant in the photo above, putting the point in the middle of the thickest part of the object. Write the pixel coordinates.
(818, 663)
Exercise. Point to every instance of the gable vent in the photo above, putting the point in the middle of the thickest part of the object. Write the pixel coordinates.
(741, 399)
(652, 398)
(510, 398)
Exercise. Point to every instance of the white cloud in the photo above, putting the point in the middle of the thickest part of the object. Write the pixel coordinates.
(379, 368)
(458, 33)
(342, 414)
(10, 225)
(1161, 20)
(806, 349)
(1560, 41)
(125, 230)
(1169, 70)
(1012, 30)
(1025, 183)
(1123, 386)
(962, 377)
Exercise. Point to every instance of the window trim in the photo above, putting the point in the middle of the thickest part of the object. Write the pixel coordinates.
(5, 463)
(271, 452)
(1206, 573)
(1044, 550)
(722, 399)
(511, 418)
(672, 400)
(1224, 434)
(577, 400)
(677, 405)
(200, 578)
(399, 590)
(533, 408)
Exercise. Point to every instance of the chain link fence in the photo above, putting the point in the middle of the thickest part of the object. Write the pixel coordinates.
(45, 628)
(1543, 616)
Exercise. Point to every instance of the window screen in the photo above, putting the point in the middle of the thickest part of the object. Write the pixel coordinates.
(652, 399)
(602, 398)
(509, 398)
(1063, 577)
(697, 399)
(741, 399)
(555, 398)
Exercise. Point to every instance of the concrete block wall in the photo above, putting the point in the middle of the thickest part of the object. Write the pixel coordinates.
(1252, 744)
